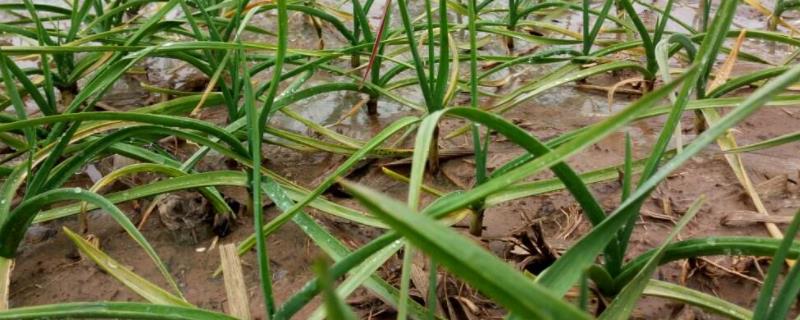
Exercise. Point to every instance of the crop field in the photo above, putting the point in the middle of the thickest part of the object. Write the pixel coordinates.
(399, 159)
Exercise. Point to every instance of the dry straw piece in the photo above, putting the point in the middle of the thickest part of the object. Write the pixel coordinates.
(236, 290)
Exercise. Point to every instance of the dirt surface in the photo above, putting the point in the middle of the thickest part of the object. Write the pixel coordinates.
(49, 269)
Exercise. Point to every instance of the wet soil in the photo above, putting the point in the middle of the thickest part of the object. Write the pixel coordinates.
(48, 268)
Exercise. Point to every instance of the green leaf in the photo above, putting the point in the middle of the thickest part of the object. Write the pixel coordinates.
(696, 78)
(622, 305)
(769, 143)
(766, 300)
(215, 178)
(213, 196)
(111, 310)
(472, 263)
(709, 246)
(141, 286)
(357, 156)
(5, 281)
(165, 120)
(566, 270)
(345, 260)
(696, 298)
(336, 308)
(14, 228)
(782, 304)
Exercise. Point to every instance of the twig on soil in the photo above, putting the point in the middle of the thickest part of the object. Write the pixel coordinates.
(658, 216)
(749, 217)
(106, 106)
(574, 219)
(149, 210)
(731, 271)
(356, 107)
(758, 266)
(613, 89)
(594, 87)
(210, 246)
(685, 272)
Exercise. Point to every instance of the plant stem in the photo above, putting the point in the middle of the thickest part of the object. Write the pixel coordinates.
(703, 13)
(68, 93)
(433, 157)
(5, 281)
(372, 105)
(583, 297)
(360, 26)
(587, 45)
(476, 226)
(512, 24)
(772, 23)
(412, 46)
(431, 42)
(257, 122)
(621, 15)
(433, 279)
(405, 282)
(699, 122)
(460, 20)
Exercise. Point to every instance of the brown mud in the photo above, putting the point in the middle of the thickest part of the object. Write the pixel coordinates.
(49, 270)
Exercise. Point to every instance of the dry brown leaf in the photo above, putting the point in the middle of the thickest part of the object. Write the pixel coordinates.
(727, 142)
(767, 13)
(725, 70)
(613, 89)
(235, 288)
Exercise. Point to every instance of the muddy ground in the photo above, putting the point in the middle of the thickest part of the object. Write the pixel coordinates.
(49, 270)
